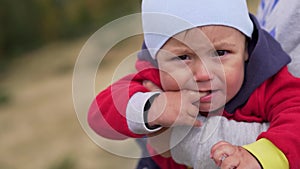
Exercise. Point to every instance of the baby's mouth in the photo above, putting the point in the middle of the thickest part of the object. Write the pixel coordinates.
(209, 94)
(206, 92)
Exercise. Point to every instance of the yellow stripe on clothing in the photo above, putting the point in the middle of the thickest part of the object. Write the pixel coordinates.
(269, 156)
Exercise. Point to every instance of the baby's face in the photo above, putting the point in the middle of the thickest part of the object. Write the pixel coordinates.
(209, 60)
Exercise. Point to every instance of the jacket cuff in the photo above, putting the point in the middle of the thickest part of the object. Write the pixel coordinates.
(268, 154)
(135, 113)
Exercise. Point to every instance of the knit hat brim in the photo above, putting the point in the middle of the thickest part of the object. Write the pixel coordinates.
(163, 19)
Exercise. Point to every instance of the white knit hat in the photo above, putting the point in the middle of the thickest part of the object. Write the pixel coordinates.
(163, 19)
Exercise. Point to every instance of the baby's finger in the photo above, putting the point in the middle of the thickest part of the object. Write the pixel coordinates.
(198, 123)
(188, 115)
(150, 86)
(192, 96)
(190, 121)
(192, 111)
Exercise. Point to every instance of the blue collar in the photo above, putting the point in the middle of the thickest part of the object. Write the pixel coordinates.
(266, 58)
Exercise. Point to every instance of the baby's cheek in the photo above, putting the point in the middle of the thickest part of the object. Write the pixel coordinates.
(168, 82)
(170, 85)
(233, 86)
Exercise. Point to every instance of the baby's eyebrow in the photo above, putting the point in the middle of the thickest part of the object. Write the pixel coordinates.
(187, 50)
(180, 50)
(224, 44)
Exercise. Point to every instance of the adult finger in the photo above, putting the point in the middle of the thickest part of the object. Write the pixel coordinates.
(230, 162)
(218, 145)
(221, 152)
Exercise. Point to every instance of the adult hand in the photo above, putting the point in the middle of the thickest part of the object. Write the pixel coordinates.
(228, 156)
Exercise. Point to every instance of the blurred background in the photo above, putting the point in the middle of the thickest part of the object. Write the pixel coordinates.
(39, 43)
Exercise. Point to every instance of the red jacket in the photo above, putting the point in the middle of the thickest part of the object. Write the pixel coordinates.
(277, 101)
(273, 96)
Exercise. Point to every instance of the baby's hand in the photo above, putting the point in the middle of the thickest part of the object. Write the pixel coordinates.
(228, 156)
(173, 107)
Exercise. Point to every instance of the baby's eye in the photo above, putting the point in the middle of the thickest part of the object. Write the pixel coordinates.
(221, 52)
(184, 57)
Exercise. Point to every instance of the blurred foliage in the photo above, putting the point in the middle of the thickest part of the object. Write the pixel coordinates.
(28, 24)
(4, 97)
(25, 25)
(65, 163)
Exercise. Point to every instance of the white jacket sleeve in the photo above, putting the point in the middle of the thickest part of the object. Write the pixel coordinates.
(191, 146)
(135, 113)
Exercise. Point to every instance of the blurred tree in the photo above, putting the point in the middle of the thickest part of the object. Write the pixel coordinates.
(18, 26)
(25, 25)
